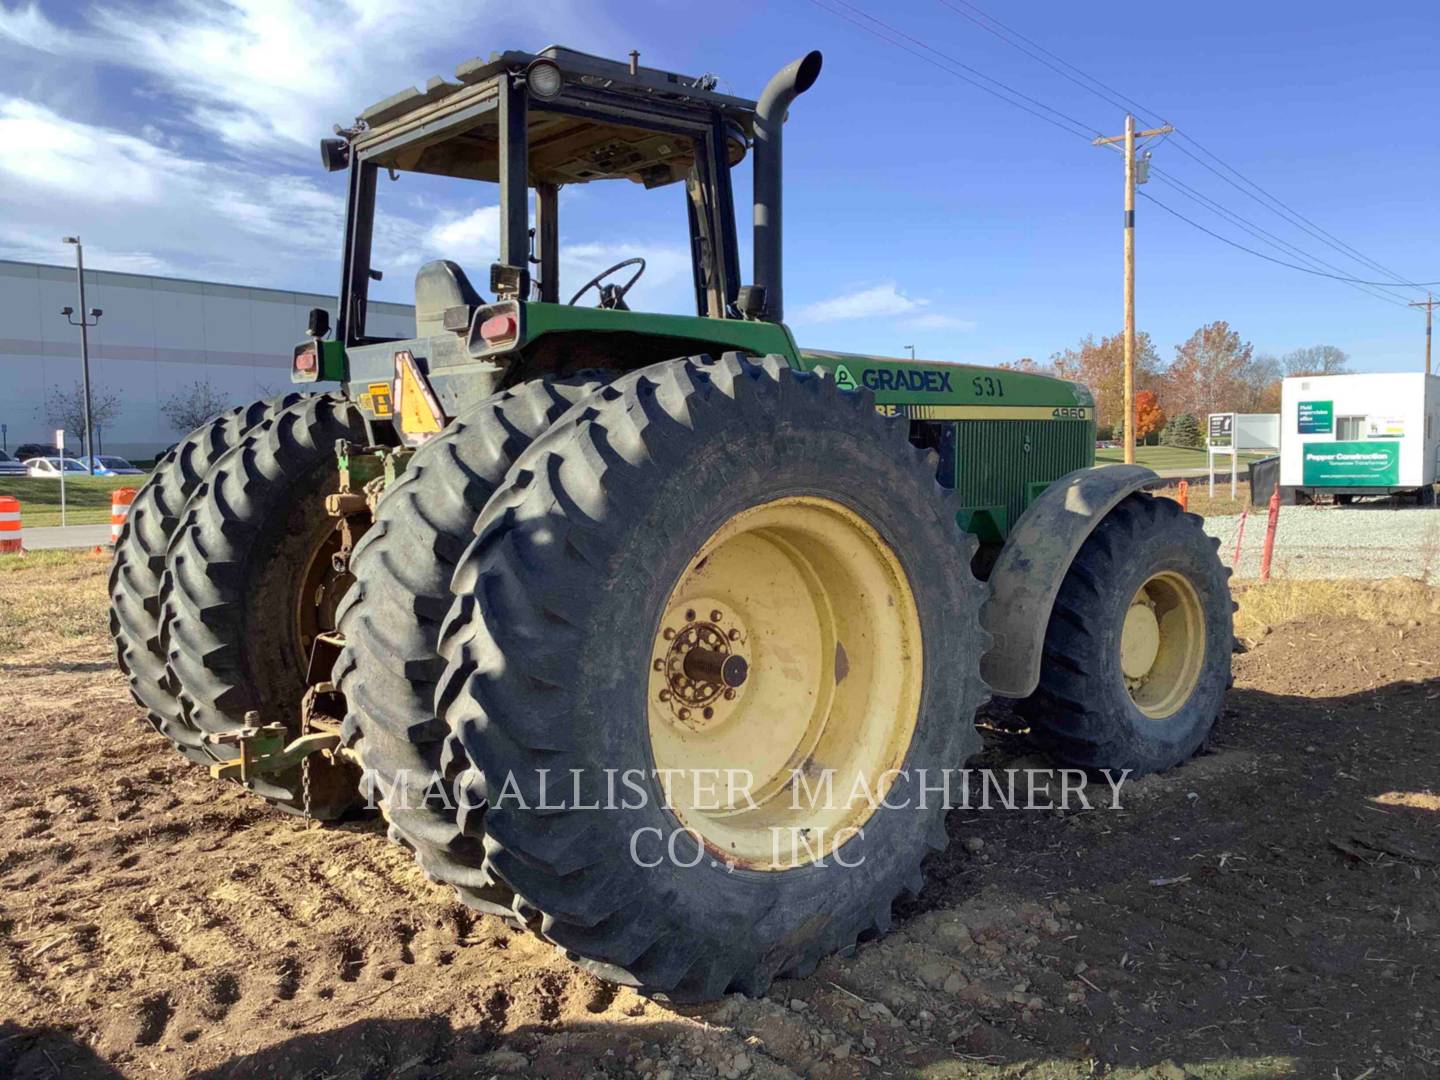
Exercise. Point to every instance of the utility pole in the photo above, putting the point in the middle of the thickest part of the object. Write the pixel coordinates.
(1429, 305)
(88, 448)
(1129, 140)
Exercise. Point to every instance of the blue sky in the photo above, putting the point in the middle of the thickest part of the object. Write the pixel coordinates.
(180, 139)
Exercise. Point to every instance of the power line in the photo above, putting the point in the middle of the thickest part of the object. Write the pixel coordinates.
(1105, 93)
(1110, 94)
(1263, 234)
(1075, 127)
(1268, 258)
(1072, 126)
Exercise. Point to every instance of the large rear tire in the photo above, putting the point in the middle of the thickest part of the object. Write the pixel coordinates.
(391, 621)
(1137, 651)
(742, 513)
(139, 565)
(249, 584)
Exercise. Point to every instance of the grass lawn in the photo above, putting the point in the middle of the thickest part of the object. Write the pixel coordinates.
(1171, 457)
(87, 498)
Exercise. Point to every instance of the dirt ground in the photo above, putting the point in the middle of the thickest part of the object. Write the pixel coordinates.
(1270, 909)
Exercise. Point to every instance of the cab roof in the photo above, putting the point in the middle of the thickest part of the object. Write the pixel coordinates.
(450, 127)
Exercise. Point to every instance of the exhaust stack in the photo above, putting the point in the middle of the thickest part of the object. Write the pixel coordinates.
(789, 83)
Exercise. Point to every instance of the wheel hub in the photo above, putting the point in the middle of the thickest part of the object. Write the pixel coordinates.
(700, 666)
(784, 682)
(1162, 644)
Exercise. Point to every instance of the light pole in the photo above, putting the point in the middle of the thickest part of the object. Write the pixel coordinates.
(912, 351)
(94, 313)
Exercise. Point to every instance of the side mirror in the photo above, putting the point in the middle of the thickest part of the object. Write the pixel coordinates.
(319, 323)
(334, 154)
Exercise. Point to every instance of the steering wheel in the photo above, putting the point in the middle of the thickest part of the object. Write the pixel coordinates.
(612, 296)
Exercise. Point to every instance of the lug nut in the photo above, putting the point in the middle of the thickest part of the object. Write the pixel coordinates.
(729, 695)
(690, 615)
(734, 635)
(709, 713)
(668, 634)
(659, 665)
(684, 714)
(664, 695)
(716, 616)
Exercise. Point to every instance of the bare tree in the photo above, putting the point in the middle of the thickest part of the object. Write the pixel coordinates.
(1317, 360)
(190, 407)
(65, 408)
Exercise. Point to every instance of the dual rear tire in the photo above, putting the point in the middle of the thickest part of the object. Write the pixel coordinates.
(223, 579)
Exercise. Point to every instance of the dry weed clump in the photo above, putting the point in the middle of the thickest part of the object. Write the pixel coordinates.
(53, 602)
(1392, 601)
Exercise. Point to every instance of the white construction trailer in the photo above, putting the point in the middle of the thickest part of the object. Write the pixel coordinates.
(1364, 434)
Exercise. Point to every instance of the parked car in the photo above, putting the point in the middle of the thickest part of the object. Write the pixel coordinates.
(10, 467)
(51, 466)
(109, 465)
(26, 451)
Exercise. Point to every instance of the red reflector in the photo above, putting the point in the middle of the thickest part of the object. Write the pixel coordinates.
(305, 360)
(498, 328)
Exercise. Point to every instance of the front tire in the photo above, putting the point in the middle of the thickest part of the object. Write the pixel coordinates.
(1137, 651)
(847, 628)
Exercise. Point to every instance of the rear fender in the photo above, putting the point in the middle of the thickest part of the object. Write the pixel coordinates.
(1034, 562)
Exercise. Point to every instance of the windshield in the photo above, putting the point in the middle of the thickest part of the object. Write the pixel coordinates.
(113, 462)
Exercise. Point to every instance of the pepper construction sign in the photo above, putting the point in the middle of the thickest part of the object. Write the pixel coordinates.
(1352, 464)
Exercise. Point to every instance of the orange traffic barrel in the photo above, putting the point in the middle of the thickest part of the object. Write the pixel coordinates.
(9, 525)
(120, 500)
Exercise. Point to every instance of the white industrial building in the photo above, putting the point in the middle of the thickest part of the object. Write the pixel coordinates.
(157, 337)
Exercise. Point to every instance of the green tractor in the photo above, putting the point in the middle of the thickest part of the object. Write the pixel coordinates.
(651, 633)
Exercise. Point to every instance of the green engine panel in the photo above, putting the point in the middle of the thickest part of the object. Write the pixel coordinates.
(1002, 436)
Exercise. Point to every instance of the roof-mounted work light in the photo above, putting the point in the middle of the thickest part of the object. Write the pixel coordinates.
(544, 78)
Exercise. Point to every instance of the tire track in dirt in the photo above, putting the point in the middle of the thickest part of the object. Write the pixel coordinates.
(155, 922)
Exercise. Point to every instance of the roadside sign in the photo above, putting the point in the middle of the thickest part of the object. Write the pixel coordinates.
(60, 446)
(1222, 429)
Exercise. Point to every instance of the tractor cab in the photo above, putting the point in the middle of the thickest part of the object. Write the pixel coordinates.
(532, 123)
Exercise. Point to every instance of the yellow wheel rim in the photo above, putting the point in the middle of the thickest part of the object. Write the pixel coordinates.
(1162, 646)
(784, 683)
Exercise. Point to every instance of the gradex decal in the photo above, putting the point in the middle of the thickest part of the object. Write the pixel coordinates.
(844, 380)
(932, 382)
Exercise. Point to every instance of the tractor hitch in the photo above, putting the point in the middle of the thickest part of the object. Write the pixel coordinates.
(263, 749)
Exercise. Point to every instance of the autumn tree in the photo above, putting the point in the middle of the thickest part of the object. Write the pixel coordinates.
(1316, 360)
(1208, 372)
(1100, 365)
(187, 409)
(1149, 416)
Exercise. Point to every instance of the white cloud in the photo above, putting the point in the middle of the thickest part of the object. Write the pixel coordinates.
(278, 73)
(881, 301)
(472, 238)
(203, 164)
(146, 208)
(43, 150)
(934, 320)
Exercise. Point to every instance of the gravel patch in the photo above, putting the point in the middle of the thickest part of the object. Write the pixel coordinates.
(1356, 542)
